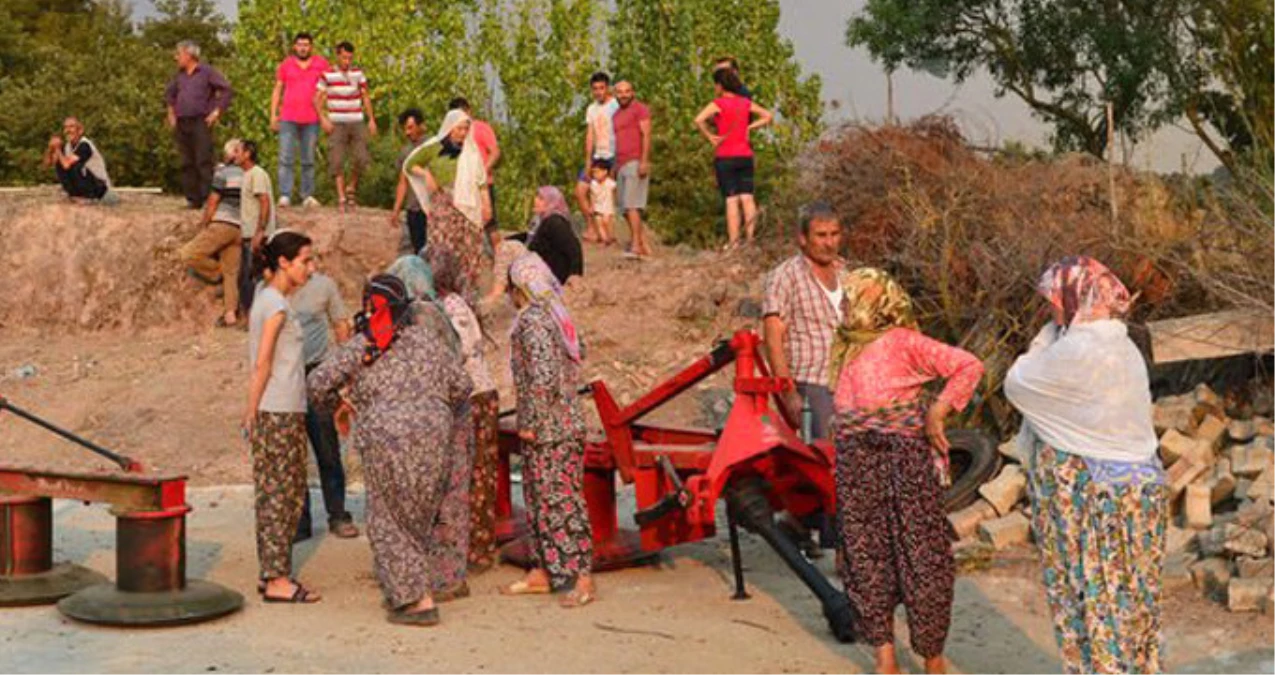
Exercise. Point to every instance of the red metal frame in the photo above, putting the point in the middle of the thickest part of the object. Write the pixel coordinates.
(757, 440)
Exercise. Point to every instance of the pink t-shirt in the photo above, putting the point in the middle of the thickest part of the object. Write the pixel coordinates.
(732, 126)
(298, 89)
(896, 366)
(628, 132)
(484, 137)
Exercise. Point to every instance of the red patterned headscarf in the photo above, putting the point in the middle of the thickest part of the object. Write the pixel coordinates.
(1083, 289)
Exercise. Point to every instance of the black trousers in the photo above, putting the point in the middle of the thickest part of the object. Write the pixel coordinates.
(417, 229)
(248, 276)
(78, 182)
(321, 428)
(194, 145)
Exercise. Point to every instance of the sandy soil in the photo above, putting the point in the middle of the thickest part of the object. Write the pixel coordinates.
(123, 353)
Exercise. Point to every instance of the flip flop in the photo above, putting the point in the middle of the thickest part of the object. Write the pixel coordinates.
(450, 593)
(300, 596)
(577, 598)
(521, 587)
(426, 618)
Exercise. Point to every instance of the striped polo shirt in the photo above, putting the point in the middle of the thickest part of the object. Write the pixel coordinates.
(344, 90)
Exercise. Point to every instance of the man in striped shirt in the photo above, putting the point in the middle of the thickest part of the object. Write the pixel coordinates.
(342, 100)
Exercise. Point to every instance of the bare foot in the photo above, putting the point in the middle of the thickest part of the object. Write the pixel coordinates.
(936, 664)
(886, 660)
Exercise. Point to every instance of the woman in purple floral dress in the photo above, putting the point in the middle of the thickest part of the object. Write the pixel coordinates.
(410, 391)
(546, 356)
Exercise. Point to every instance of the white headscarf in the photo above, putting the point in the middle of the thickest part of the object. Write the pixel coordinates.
(471, 174)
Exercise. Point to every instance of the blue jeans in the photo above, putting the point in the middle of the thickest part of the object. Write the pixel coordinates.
(290, 133)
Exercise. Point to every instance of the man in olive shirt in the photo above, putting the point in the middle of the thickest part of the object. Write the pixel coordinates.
(412, 121)
(256, 217)
(318, 307)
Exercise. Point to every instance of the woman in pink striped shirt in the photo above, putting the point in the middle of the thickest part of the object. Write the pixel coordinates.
(892, 465)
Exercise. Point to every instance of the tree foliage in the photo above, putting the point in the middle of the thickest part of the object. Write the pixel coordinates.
(667, 50)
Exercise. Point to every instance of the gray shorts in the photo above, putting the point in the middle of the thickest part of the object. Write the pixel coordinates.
(630, 189)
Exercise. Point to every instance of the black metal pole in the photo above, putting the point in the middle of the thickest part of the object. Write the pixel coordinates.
(737, 562)
(125, 463)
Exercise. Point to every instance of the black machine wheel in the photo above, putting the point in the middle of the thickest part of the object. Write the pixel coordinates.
(974, 461)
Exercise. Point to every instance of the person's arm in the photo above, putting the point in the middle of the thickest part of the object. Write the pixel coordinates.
(763, 116)
(263, 220)
(644, 166)
(418, 165)
(326, 382)
(170, 102)
(367, 109)
(210, 208)
(222, 95)
(961, 370)
(321, 106)
(338, 315)
(588, 144)
(81, 154)
(538, 397)
(400, 194)
(275, 97)
(701, 121)
(261, 373)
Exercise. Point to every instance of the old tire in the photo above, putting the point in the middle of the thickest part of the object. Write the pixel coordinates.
(974, 461)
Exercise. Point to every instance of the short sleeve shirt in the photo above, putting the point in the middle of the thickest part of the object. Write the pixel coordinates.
(285, 391)
(600, 117)
(484, 138)
(228, 184)
(411, 203)
(318, 307)
(344, 91)
(256, 182)
(628, 132)
(603, 196)
(299, 85)
(793, 294)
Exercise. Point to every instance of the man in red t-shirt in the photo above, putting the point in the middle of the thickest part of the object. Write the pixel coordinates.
(296, 120)
(485, 138)
(632, 124)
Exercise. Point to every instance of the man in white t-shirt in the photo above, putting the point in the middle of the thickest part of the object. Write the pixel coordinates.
(599, 141)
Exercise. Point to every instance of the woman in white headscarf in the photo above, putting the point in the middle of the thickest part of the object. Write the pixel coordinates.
(1097, 487)
(448, 176)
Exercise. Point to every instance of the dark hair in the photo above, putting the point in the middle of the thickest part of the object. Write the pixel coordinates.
(459, 103)
(728, 60)
(411, 114)
(729, 80)
(599, 77)
(821, 211)
(345, 46)
(448, 279)
(249, 148)
(286, 245)
(601, 164)
(303, 35)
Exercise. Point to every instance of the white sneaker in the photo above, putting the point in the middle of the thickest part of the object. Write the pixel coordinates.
(310, 202)
(284, 202)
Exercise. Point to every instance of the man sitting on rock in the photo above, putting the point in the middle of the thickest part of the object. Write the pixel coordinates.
(215, 255)
(79, 165)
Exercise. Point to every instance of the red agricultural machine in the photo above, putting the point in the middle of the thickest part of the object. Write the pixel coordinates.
(756, 462)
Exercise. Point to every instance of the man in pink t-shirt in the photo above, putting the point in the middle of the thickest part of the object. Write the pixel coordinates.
(485, 138)
(296, 120)
(632, 124)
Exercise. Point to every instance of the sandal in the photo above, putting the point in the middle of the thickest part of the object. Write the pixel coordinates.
(577, 598)
(424, 618)
(343, 529)
(521, 587)
(300, 596)
(450, 593)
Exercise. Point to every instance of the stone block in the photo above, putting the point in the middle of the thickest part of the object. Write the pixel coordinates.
(1241, 540)
(1175, 445)
(1246, 595)
(1250, 568)
(1010, 451)
(1174, 412)
(1181, 474)
(1221, 482)
(1205, 396)
(1180, 540)
(1263, 488)
(966, 521)
(1211, 432)
(1198, 508)
(1241, 431)
(1006, 531)
(1177, 571)
(1263, 426)
(1251, 459)
(1212, 575)
(1006, 490)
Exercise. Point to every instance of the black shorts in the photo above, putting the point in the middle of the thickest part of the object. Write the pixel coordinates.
(734, 176)
(491, 225)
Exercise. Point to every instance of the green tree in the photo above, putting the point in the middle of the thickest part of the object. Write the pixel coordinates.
(667, 50)
(196, 20)
(1067, 59)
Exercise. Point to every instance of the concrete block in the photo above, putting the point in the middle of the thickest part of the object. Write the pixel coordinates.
(1250, 568)
(1010, 451)
(1174, 412)
(1241, 540)
(1198, 508)
(1006, 490)
(1221, 482)
(1246, 595)
(1251, 459)
(1180, 540)
(1241, 431)
(1177, 572)
(1181, 474)
(1175, 445)
(1006, 531)
(1211, 432)
(1207, 397)
(1242, 486)
(966, 521)
(1212, 575)
(1263, 488)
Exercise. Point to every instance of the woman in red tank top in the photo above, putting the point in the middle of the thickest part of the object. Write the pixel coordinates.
(733, 114)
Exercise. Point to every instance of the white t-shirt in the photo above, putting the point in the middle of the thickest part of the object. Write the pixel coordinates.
(603, 196)
(835, 296)
(599, 117)
(285, 392)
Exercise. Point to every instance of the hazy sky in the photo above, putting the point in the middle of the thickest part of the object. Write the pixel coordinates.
(817, 30)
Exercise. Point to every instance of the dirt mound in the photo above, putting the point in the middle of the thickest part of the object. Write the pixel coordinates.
(92, 268)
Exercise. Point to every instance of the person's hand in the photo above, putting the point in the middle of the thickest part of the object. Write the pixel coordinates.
(274, 124)
(55, 142)
(644, 169)
(394, 221)
(371, 126)
(527, 435)
(486, 213)
(327, 125)
(793, 402)
(171, 119)
(343, 417)
(249, 425)
(715, 140)
(257, 240)
(212, 117)
(934, 426)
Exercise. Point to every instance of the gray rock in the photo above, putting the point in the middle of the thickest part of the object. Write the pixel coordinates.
(748, 308)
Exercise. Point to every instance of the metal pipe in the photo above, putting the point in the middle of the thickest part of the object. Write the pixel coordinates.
(125, 463)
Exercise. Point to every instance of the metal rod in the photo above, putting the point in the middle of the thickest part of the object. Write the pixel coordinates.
(736, 561)
(125, 463)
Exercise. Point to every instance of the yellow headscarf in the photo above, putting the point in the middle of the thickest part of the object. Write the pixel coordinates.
(874, 303)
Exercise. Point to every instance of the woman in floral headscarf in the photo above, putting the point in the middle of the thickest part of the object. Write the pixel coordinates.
(1097, 486)
(546, 356)
(892, 465)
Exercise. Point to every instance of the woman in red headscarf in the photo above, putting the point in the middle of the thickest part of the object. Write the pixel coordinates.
(411, 393)
(1097, 486)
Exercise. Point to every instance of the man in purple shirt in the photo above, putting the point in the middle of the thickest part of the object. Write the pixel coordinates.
(197, 97)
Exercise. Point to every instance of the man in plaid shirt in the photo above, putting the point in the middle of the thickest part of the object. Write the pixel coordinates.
(801, 311)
